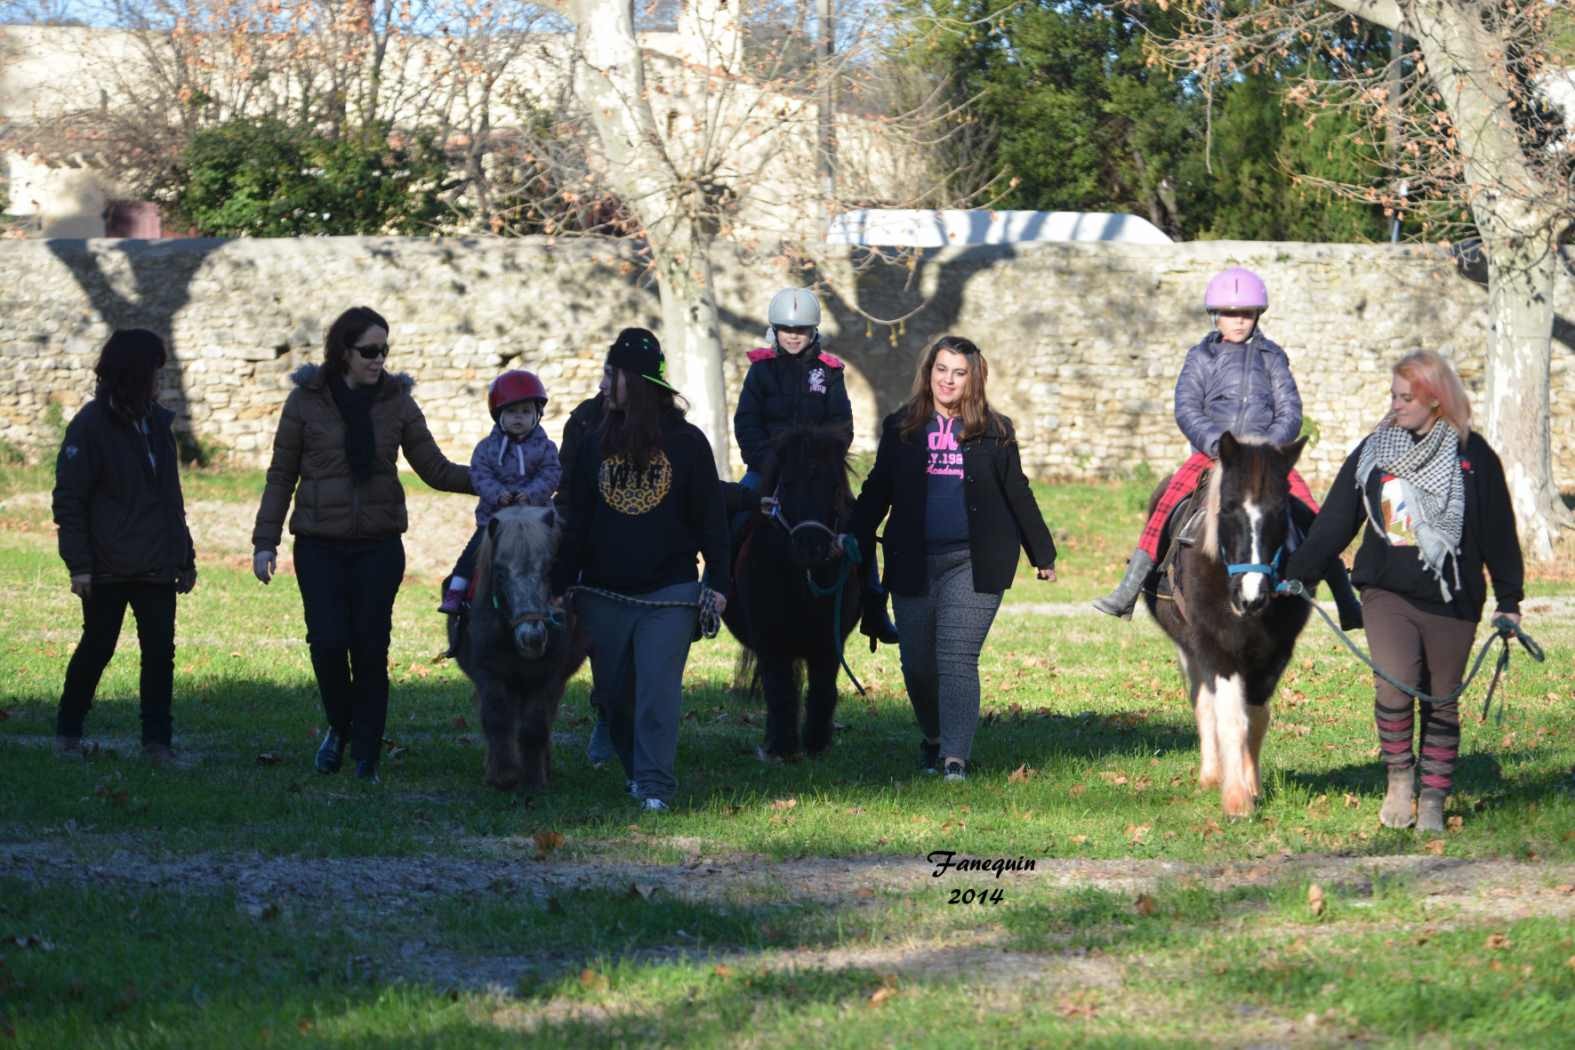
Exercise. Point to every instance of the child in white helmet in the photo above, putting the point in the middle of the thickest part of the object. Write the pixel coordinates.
(792, 382)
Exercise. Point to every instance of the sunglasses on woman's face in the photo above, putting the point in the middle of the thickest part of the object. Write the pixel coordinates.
(375, 350)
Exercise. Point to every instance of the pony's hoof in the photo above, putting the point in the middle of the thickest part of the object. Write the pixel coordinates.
(1238, 804)
(505, 780)
(1208, 781)
(767, 757)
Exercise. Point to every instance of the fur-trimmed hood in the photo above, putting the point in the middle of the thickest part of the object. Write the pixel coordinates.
(312, 377)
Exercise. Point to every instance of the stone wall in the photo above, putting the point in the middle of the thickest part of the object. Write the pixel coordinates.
(1084, 340)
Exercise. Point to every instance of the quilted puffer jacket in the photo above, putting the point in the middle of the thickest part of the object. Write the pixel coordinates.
(1245, 388)
(309, 448)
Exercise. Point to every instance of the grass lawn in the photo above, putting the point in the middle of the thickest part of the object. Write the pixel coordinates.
(239, 899)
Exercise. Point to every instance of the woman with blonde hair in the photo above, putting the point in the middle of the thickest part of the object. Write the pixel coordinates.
(1431, 492)
(948, 473)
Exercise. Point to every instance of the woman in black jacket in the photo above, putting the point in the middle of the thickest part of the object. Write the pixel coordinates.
(642, 501)
(123, 535)
(1431, 492)
(948, 472)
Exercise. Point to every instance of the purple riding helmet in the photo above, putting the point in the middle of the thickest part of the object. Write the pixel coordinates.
(1236, 289)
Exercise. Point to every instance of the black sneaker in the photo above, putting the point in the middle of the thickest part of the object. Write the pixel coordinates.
(331, 752)
(930, 757)
(367, 771)
(956, 769)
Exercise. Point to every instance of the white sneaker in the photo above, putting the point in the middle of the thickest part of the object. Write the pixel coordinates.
(654, 805)
(956, 770)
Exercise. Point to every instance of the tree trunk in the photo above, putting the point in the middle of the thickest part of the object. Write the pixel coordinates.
(1521, 278)
(692, 336)
(610, 76)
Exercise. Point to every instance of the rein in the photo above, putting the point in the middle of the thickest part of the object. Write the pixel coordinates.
(1504, 630)
(850, 557)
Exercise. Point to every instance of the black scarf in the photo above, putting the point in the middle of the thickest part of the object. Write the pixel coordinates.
(355, 405)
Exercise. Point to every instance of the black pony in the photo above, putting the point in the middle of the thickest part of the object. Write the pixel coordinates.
(796, 595)
(1233, 637)
(517, 650)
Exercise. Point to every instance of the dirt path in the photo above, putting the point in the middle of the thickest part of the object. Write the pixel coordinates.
(1501, 888)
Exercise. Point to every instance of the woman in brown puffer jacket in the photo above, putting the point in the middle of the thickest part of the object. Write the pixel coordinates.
(339, 435)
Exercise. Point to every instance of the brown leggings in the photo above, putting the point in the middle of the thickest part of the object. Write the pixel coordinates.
(1427, 652)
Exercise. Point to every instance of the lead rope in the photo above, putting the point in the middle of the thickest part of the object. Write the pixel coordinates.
(1504, 630)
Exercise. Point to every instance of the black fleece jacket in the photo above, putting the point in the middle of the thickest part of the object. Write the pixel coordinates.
(117, 498)
(1488, 539)
(634, 531)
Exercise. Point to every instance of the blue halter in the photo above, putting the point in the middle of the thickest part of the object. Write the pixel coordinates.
(1271, 570)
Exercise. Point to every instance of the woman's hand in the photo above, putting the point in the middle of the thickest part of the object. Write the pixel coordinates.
(82, 584)
(263, 565)
(1046, 573)
(1513, 618)
(185, 580)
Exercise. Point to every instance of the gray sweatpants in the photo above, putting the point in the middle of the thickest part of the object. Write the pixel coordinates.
(941, 636)
(637, 659)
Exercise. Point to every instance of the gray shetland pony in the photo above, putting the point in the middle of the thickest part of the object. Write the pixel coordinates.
(517, 650)
(1234, 638)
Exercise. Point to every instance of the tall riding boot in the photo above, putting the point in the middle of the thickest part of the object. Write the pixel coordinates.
(875, 623)
(1345, 599)
(1121, 601)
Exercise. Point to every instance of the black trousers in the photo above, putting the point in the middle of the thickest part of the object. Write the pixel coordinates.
(103, 612)
(347, 591)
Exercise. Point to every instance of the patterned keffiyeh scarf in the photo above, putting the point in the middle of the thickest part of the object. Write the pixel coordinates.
(1436, 491)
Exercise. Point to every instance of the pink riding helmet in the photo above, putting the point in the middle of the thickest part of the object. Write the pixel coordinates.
(1236, 289)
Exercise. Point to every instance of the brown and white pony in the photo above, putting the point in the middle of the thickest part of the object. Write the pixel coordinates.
(1233, 637)
(517, 650)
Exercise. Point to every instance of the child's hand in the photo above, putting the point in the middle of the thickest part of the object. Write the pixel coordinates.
(506, 499)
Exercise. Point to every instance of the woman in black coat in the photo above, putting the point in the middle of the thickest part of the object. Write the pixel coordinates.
(948, 473)
(123, 535)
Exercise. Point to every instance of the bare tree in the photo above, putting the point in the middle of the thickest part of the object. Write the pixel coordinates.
(1476, 140)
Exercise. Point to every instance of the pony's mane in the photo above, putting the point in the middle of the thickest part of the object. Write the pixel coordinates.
(1211, 503)
(523, 533)
(823, 444)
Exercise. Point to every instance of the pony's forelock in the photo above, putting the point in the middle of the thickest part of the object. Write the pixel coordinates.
(1210, 545)
(523, 534)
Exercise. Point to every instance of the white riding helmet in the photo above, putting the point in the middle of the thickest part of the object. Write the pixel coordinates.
(794, 308)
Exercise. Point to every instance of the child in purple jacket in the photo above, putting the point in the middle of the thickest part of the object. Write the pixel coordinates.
(516, 463)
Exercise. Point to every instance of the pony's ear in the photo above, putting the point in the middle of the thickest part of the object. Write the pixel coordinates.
(1293, 451)
(1229, 446)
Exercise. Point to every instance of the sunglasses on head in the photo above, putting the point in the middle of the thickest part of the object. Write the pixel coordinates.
(375, 350)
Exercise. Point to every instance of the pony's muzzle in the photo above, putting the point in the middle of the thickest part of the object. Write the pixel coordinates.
(530, 638)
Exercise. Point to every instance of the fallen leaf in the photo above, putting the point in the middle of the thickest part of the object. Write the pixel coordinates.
(1144, 905)
(1496, 942)
(784, 803)
(1136, 833)
(1078, 1006)
(269, 758)
(1315, 902)
(1456, 822)
(1020, 775)
(1435, 847)
(554, 906)
(722, 970)
(1211, 827)
(881, 994)
(1110, 776)
(1076, 789)
(459, 722)
(1564, 887)
(1078, 840)
(1351, 801)
(546, 842)
(304, 1025)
